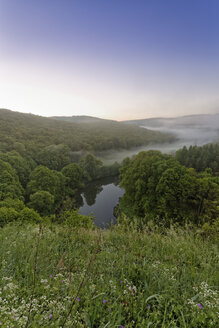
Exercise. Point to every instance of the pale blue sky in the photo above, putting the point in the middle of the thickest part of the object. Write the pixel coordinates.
(117, 59)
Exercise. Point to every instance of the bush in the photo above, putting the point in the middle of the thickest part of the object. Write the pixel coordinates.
(42, 201)
(7, 215)
(74, 219)
(29, 215)
(17, 204)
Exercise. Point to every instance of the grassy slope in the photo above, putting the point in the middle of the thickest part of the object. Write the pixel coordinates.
(136, 279)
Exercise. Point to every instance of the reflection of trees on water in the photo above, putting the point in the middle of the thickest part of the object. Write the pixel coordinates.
(92, 189)
(79, 200)
(91, 192)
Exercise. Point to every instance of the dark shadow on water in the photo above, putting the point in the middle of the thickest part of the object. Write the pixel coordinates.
(100, 197)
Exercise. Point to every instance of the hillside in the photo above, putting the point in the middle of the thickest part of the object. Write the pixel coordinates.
(191, 130)
(36, 132)
(189, 120)
(80, 119)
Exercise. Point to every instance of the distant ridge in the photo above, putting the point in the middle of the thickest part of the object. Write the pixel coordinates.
(189, 120)
(81, 119)
(79, 135)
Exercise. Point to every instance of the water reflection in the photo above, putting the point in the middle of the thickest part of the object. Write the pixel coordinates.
(99, 198)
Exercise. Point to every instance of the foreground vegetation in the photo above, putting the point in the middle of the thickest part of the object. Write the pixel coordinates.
(58, 270)
(70, 276)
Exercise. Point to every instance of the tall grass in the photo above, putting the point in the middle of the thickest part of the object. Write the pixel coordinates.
(126, 278)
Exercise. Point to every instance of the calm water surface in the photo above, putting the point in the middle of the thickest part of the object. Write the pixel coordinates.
(99, 198)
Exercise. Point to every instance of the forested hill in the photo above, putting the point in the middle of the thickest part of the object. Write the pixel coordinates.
(211, 120)
(33, 132)
(191, 129)
(81, 119)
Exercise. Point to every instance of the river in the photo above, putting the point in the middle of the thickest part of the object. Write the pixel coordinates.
(100, 197)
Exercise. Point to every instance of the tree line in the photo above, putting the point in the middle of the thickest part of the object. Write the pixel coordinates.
(24, 185)
(159, 188)
(42, 137)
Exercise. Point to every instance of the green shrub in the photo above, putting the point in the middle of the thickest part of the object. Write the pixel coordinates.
(17, 204)
(7, 215)
(29, 215)
(74, 219)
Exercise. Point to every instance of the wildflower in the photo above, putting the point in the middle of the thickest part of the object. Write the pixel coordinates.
(104, 301)
(51, 276)
(121, 326)
(148, 306)
(199, 305)
(50, 316)
(0, 322)
(79, 299)
(63, 281)
(121, 282)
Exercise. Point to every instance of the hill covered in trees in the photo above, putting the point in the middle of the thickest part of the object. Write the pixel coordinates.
(190, 130)
(188, 120)
(33, 133)
(81, 119)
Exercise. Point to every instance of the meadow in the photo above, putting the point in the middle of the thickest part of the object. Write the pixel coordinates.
(63, 276)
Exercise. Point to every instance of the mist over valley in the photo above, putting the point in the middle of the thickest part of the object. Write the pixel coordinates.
(187, 131)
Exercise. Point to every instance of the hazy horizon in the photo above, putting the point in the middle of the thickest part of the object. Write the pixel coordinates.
(119, 60)
(107, 118)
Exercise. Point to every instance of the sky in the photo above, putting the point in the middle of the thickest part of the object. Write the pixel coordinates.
(116, 59)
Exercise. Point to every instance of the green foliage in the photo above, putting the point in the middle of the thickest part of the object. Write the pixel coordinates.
(94, 169)
(34, 134)
(158, 187)
(74, 177)
(109, 170)
(90, 166)
(200, 158)
(74, 219)
(28, 215)
(17, 204)
(7, 215)
(55, 157)
(132, 279)
(21, 165)
(15, 210)
(44, 179)
(210, 230)
(10, 186)
(42, 202)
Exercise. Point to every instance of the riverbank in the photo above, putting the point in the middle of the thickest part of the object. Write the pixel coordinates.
(60, 276)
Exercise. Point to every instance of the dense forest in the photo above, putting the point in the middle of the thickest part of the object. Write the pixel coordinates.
(157, 187)
(42, 174)
(165, 188)
(200, 158)
(34, 134)
(158, 265)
